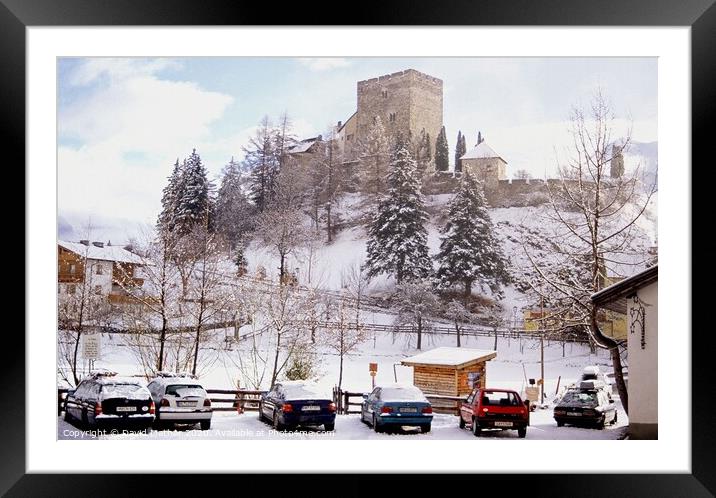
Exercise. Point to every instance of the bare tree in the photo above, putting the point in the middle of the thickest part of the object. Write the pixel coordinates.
(157, 302)
(284, 310)
(459, 315)
(416, 302)
(597, 232)
(344, 334)
(523, 174)
(283, 231)
(82, 304)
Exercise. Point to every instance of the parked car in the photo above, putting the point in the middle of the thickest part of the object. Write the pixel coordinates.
(588, 404)
(291, 404)
(396, 405)
(180, 399)
(495, 409)
(105, 400)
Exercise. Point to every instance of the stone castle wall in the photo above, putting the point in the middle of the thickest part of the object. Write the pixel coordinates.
(407, 102)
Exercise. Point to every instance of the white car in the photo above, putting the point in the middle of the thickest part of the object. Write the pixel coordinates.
(180, 399)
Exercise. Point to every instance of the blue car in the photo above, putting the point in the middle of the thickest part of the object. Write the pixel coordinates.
(292, 403)
(396, 405)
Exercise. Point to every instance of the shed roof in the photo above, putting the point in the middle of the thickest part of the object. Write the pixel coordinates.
(304, 145)
(482, 151)
(613, 297)
(106, 253)
(450, 357)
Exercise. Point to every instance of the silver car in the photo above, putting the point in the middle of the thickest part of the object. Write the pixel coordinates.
(180, 400)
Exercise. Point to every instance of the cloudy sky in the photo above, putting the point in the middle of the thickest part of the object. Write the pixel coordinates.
(123, 122)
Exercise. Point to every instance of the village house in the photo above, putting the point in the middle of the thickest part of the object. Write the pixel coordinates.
(637, 297)
(109, 270)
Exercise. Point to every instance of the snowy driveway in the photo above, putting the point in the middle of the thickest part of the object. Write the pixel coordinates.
(229, 425)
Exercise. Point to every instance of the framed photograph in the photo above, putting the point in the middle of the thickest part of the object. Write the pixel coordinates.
(407, 236)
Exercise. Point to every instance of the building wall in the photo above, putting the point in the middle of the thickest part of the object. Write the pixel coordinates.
(100, 283)
(416, 100)
(346, 137)
(643, 373)
(489, 170)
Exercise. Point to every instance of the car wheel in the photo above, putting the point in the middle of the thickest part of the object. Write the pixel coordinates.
(602, 422)
(461, 423)
(329, 427)
(376, 426)
(425, 428)
(205, 425)
(560, 423)
(276, 423)
(475, 427)
(522, 432)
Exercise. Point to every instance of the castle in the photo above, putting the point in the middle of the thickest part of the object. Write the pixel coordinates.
(408, 102)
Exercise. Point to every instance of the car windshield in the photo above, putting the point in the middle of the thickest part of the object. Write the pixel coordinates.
(303, 391)
(401, 394)
(183, 390)
(580, 398)
(498, 399)
(130, 391)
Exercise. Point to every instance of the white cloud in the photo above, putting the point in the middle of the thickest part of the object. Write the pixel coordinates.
(131, 131)
(324, 63)
(116, 69)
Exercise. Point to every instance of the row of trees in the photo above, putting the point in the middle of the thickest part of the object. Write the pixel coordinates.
(398, 245)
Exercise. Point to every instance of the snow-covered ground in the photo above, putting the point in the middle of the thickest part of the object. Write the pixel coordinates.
(229, 425)
(517, 360)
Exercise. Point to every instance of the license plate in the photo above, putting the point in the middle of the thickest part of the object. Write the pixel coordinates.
(311, 408)
(409, 410)
(186, 403)
(503, 424)
(574, 414)
(126, 408)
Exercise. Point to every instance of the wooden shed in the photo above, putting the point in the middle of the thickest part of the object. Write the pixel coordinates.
(449, 371)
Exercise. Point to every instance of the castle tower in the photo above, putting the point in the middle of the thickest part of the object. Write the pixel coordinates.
(407, 102)
(485, 164)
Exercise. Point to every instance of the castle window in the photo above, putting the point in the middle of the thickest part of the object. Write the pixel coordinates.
(391, 117)
(375, 119)
(384, 93)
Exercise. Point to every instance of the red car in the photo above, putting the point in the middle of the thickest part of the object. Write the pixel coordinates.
(495, 409)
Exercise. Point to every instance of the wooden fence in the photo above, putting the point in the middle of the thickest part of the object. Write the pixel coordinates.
(241, 400)
(441, 404)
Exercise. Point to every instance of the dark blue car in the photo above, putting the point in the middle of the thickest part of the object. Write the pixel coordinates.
(290, 404)
(395, 406)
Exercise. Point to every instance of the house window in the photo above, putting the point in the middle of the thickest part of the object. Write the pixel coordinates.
(98, 289)
(349, 137)
(99, 269)
(70, 289)
(73, 268)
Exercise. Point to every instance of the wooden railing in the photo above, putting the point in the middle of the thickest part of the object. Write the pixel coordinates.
(441, 404)
(242, 400)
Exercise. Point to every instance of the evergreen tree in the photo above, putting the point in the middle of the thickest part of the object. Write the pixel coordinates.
(442, 152)
(194, 204)
(374, 157)
(460, 150)
(261, 161)
(397, 241)
(469, 250)
(170, 200)
(233, 211)
(423, 152)
(479, 139)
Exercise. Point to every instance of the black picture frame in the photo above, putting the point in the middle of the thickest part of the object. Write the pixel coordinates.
(700, 15)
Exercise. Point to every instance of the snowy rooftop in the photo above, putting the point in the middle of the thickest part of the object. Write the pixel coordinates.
(450, 357)
(482, 151)
(302, 146)
(106, 253)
